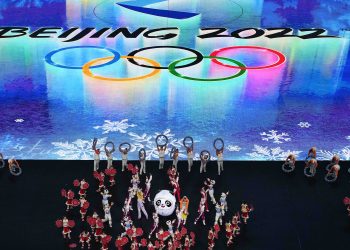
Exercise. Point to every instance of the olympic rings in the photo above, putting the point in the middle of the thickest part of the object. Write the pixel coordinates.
(48, 57)
(113, 147)
(159, 137)
(281, 57)
(87, 66)
(142, 154)
(185, 144)
(222, 144)
(124, 145)
(172, 70)
(199, 57)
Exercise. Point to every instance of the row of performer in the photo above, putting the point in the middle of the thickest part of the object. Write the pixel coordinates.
(311, 165)
(161, 141)
(171, 235)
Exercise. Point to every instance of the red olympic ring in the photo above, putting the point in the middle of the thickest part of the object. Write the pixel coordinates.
(281, 57)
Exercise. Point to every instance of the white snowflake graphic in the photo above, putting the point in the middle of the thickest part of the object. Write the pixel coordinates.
(275, 137)
(77, 150)
(233, 148)
(304, 124)
(148, 142)
(266, 153)
(115, 126)
(19, 120)
(344, 154)
(347, 137)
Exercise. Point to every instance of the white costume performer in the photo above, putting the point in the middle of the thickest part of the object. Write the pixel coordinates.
(190, 159)
(105, 195)
(96, 159)
(124, 159)
(220, 161)
(148, 187)
(170, 228)
(155, 224)
(108, 217)
(142, 164)
(161, 157)
(204, 160)
(210, 184)
(109, 160)
(223, 202)
(218, 214)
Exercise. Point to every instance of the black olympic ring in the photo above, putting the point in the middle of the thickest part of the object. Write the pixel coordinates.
(15, 170)
(2, 162)
(142, 151)
(113, 148)
(127, 146)
(198, 59)
(185, 144)
(222, 142)
(159, 137)
(205, 152)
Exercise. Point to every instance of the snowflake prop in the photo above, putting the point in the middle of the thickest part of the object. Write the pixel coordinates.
(77, 150)
(266, 153)
(344, 154)
(116, 126)
(273, 136)
(233, 148)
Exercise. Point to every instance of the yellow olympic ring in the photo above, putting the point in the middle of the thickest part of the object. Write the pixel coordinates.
(87, 71)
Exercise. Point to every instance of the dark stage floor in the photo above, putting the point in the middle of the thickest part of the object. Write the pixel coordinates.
(291, 212)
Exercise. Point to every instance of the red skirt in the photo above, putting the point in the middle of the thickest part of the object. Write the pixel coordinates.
(98, 231)
(66, 230)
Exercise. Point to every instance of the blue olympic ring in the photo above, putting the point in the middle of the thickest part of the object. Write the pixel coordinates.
(48, 57)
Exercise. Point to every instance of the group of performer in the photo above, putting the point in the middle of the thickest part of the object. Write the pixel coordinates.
(311, 165)
(169, 235)
(162, 142)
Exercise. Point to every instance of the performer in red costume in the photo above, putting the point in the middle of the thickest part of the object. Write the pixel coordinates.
(70, 202)
(84, 205)
(83, 185)
(245, 210)
(84, 239)
(111, 172)
(100, 176)
(66, 225)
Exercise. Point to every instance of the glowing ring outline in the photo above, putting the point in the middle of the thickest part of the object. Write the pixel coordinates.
(113, 147)
(14, 167)
(87, 71)
(222, 142)
(184, 142)
(175, 73)
(48, 57)
(166, 140)
(281, 57)
(197, 60)
(128, 146)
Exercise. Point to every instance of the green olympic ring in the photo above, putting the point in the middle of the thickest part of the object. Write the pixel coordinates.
(173, 71)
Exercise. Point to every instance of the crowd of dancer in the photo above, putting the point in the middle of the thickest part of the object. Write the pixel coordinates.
(171, 234)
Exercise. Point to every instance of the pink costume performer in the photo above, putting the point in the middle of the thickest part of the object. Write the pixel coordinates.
(201, 211)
